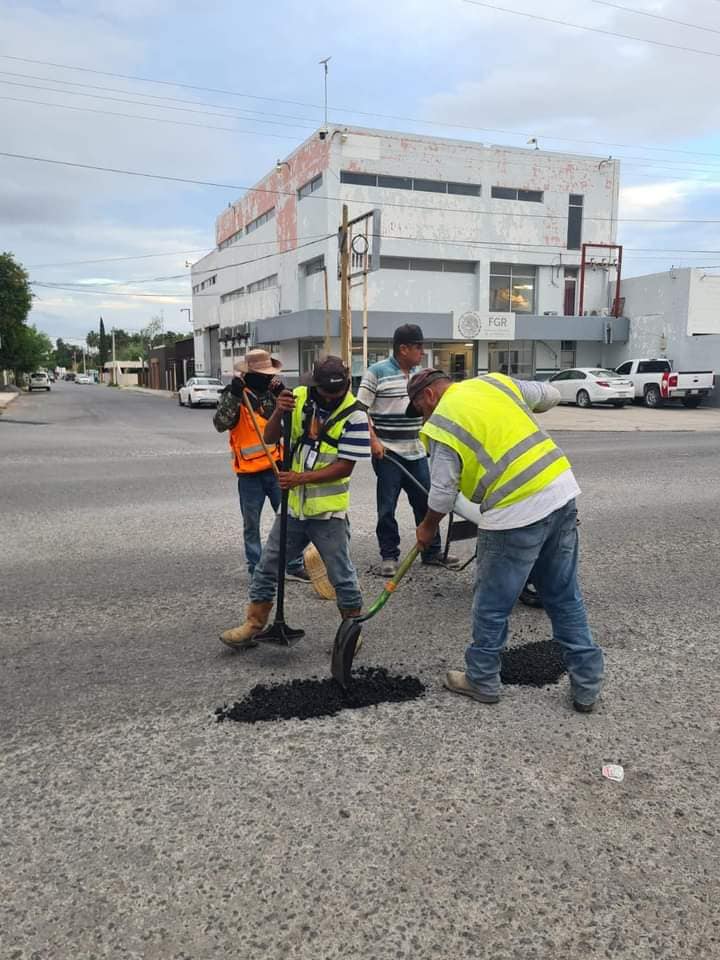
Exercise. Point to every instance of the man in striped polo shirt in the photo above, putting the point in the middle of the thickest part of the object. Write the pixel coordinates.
(383, 392)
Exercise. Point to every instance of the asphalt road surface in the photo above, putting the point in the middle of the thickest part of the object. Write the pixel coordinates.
(134, 826)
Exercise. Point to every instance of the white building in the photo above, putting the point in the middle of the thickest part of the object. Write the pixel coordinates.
(674, 314)
(465, 229)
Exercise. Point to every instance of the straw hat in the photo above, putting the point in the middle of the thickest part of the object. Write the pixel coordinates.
(258, 361)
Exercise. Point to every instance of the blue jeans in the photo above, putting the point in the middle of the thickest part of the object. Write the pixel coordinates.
(504, 561)
(390, 481)
(332, 539)
(253, 488)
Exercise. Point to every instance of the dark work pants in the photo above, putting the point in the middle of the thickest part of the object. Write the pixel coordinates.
(390, 481)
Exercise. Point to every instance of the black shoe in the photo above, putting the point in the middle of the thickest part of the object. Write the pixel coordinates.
(301, 576)
(583, 707)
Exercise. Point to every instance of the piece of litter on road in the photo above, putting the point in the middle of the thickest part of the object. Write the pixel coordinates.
(613, 771)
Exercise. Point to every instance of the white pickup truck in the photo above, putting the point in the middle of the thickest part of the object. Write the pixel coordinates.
(655, 381)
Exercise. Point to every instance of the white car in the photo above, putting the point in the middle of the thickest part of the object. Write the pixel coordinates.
(588, 385)
(38, 381)
(83, 378)
(200, 390)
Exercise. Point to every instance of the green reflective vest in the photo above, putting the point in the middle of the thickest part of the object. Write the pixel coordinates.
(314, 499)
(505, 456)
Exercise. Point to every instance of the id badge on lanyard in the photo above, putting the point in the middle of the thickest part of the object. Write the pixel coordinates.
(311, 459)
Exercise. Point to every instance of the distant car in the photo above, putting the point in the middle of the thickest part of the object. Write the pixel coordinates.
(70, 377)
(83, 378)
(588, 385)
(38, 381)
(200, 390)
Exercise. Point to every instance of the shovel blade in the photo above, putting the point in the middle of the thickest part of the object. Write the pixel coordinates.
(344, 651)
(279, 635)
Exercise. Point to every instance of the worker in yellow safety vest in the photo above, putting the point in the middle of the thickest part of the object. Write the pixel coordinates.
(484, 441)
(329, 435)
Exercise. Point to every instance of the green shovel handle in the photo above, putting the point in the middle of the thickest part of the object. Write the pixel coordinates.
(391, 586)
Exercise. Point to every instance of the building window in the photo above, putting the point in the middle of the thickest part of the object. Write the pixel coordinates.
(260, 221)
(516, 358)
(310, 187)
(575, 217)
(316, 265)
(434, 266)
(264, 284)
(514, 193)
(230, 240)
(393, 182)
(233, 295)
(209, 282)
(568, 353)
(512, 288)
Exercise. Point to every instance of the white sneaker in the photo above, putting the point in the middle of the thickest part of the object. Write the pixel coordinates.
(388, 568)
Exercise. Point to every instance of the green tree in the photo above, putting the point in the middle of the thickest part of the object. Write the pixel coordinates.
(15, 293)
(62, 356)
(92, 340)
(22, 348)
(25, 349)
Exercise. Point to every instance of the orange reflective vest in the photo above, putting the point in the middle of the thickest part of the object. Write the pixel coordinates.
(247, 452)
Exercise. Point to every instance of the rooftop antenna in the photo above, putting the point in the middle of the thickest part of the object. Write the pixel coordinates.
(325, 67)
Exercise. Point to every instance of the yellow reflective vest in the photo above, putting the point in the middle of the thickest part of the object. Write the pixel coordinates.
(314, 499)
(505, 455)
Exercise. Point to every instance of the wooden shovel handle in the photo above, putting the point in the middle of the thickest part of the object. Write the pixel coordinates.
(258, 431)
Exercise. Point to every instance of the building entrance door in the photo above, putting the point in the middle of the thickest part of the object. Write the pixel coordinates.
(457, 359)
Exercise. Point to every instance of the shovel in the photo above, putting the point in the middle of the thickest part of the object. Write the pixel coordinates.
(346, 639)
(280, 634)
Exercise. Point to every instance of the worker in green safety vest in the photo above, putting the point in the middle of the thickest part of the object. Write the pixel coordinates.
(329, 435)
(485, 442)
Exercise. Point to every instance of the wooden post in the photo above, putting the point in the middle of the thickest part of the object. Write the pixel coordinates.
(326, 345)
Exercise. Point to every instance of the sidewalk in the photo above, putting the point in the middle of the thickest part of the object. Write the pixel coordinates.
(673, 416)
(6, 398)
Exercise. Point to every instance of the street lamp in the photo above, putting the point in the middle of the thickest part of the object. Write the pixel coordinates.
(187, 311)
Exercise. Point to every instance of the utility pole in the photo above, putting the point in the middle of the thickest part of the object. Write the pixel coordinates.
(345, 316)
(325, 65)
(112, 372)
(326, 344)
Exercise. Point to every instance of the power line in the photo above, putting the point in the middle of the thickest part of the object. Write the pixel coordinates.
(312, 196)
(655, 16)
(179, 298)
(154, 106)
(135, 116)
(237, 112)
(338, 109)
(142, 256)
(578, 26)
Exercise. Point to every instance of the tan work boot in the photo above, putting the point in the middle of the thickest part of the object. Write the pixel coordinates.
(256, 616)
(350, 615)
(457, 682)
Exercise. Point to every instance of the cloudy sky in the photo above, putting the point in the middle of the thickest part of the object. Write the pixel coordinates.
(217, 91)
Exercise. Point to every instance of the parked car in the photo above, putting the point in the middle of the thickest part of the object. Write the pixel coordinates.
(38, 381)
(200, 390)
(69, 376)
(83, 378)
(655, 381)
(588, 385)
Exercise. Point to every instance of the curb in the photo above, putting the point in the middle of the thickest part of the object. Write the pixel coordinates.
(4, 403)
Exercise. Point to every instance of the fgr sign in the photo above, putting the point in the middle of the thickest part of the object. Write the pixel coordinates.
(474, 325)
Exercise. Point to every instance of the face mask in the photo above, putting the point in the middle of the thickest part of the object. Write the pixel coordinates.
(322, 402)
(257, 382)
